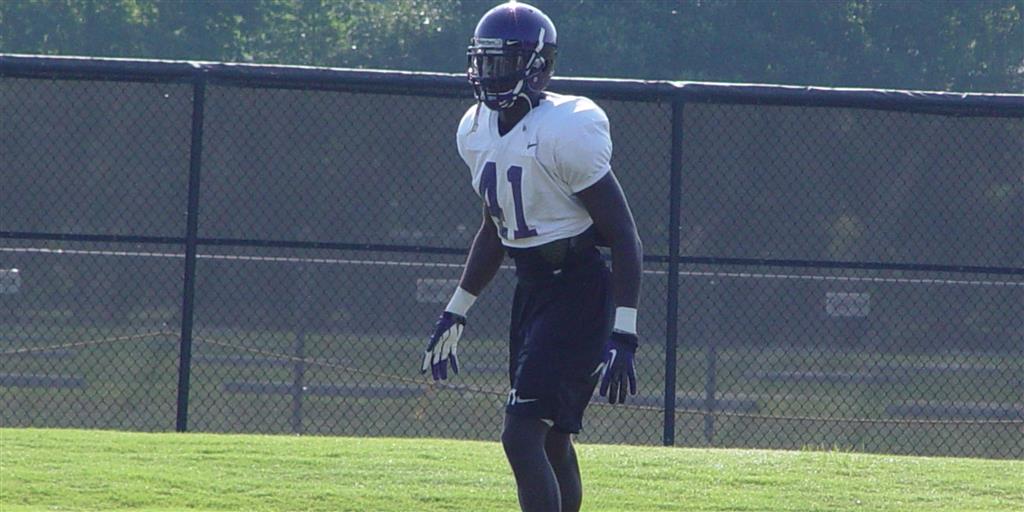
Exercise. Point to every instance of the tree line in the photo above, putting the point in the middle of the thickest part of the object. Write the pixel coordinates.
(975, 45)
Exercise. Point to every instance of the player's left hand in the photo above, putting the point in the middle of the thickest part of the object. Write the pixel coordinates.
(443, 346)
(617, 369)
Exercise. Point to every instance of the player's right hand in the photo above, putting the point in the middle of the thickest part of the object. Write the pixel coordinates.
(443, 346)
(617, 370)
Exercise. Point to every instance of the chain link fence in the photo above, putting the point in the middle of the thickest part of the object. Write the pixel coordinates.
(265, 249)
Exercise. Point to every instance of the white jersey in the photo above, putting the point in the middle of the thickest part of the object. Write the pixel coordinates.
(528, 178)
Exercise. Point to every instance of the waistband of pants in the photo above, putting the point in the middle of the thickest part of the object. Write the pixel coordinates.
(558, 258)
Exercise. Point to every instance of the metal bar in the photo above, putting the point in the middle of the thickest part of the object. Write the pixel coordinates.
(710, 389)
(342, 246)
(73, 237)
(418, 249)
(446, 84)
(298, 380)
(301, 304)
(91, 68)
(851, 265)
(191, 243)
(917, 102)
(346, 391)
(672, 300)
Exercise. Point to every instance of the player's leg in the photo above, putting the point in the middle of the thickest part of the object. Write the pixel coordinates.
(589, 319)
(524, 439)
(524, 430)
(554, 347)
(562, 457)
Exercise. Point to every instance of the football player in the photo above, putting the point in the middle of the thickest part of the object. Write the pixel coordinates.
(540, 162)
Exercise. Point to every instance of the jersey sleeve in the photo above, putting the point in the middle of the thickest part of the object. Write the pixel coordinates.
(583, 151)
(465, 127)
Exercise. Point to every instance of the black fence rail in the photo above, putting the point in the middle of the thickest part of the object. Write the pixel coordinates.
(238, 248)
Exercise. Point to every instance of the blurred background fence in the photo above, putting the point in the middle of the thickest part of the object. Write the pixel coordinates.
(237, 248)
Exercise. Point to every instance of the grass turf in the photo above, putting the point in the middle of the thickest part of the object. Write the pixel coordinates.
(103, 470)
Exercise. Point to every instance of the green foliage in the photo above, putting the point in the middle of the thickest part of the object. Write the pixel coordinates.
(920, 44)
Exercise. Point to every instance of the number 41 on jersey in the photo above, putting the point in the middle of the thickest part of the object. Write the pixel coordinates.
(489, 190)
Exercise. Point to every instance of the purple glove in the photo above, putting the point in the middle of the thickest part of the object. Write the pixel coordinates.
(617, 369)
(443, 346)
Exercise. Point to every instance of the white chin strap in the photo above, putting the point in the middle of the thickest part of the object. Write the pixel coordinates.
(515, 93)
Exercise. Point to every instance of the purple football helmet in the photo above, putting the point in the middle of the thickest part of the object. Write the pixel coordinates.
(511, 55)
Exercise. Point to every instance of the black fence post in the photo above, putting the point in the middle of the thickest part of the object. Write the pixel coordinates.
(672, 300)
(298, 378)
(191, 241)
(301, 304)
(710, 389)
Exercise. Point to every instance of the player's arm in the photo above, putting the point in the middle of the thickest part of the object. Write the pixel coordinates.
(580, 152)
(607, 205)
(485, 257)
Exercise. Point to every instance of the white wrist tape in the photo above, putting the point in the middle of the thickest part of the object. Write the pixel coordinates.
(461, 302)
(625, 320)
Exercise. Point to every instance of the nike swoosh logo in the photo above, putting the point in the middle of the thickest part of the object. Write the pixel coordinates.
(528, 146)
(513, 398)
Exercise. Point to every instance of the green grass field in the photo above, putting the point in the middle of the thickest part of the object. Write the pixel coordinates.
(43, 470)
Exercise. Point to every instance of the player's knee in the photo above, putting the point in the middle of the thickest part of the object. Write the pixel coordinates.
(558, 448)
(522, 437)
(513, 441)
